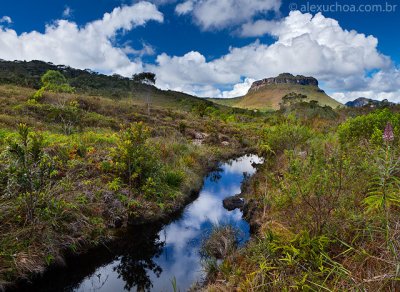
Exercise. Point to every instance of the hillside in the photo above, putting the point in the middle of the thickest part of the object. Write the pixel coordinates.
(79, 148)
(27, 74)
(267, 94)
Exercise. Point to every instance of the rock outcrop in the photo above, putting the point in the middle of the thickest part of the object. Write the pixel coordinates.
(233, 202)
(284, 78)
(367, 102)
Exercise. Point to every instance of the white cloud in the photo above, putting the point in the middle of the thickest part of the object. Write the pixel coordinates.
(91, 46)
(258, 28)
(219, 14)
(239, 89)
(385, 84)
(67, 12)
(6, 19)
(146, 50)
(309, 45)
(184, 8)
(305, 44)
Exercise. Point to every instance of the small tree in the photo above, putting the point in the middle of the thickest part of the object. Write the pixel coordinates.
(53, 81)
(133, 157)
(26, 170)
(145, 78)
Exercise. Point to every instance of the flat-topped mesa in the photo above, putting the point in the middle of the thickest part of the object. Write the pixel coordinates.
(284, 78)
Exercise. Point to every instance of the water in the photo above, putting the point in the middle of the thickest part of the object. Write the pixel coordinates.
(153, 256)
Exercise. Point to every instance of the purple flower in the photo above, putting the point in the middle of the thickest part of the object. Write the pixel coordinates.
(388, 133)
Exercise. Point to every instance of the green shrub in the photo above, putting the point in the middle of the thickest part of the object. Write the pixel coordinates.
(26, 170)
(135, 159)
(53, 81)
(174, 178)
(369, 127)
(286, 136)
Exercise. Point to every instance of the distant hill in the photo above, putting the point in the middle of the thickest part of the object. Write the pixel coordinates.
(27, 74)
(268, 93)
(367, 102)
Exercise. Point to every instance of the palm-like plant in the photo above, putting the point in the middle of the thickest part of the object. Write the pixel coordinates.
(384, 190)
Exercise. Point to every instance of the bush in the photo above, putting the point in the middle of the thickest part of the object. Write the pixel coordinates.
(27, 170)
(369, 127)
(53, 81)
(174, 178)
(135, 160)
(286, 136)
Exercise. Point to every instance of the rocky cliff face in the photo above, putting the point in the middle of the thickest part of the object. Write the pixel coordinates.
(284, 78)
(367, 102)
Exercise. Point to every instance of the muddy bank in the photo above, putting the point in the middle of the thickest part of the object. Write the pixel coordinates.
(251, 208)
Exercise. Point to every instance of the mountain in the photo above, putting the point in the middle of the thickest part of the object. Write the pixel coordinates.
(268, 93)
(367, 102)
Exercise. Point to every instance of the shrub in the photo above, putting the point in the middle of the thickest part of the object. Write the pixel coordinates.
(53, 81)
(135, 160)
(174, 178)
(286, 136)
(27, 170)
(369, 127)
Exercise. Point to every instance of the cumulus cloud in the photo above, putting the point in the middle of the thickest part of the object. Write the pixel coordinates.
(219, 14)
(305, 44)
(258, 28)
(239, 89)
(91, 46)
(6, 19)
(385, 84)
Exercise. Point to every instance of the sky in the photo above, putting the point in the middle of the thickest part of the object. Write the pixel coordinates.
(215, 48)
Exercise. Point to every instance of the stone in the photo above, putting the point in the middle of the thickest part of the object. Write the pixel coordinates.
(233, 202)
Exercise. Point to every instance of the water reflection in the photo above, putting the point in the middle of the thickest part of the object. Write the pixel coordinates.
(154, 255)
(175, 252)
(134, 265)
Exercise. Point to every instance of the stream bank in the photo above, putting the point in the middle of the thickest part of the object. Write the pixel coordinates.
(125, 240)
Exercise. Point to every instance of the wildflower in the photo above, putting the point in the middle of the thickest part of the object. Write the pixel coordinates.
(388, 133)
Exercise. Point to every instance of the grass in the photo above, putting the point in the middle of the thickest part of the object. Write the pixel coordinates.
(87, 195)
(311, 205)
(324, 204)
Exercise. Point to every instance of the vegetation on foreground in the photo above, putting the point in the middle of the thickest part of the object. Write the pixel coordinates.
(75, 167)
(325, 206)
(79, 162)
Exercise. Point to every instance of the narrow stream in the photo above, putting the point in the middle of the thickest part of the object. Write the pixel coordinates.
(154, 256)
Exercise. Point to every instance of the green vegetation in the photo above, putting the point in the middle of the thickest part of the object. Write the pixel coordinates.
(77, 165)
(53, 81)
(326, 207)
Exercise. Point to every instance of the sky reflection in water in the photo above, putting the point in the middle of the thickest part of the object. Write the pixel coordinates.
(176, 249)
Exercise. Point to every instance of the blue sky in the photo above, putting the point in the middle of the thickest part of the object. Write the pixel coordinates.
(214, 47)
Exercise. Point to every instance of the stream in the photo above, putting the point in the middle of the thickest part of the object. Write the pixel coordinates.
(151, 257)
